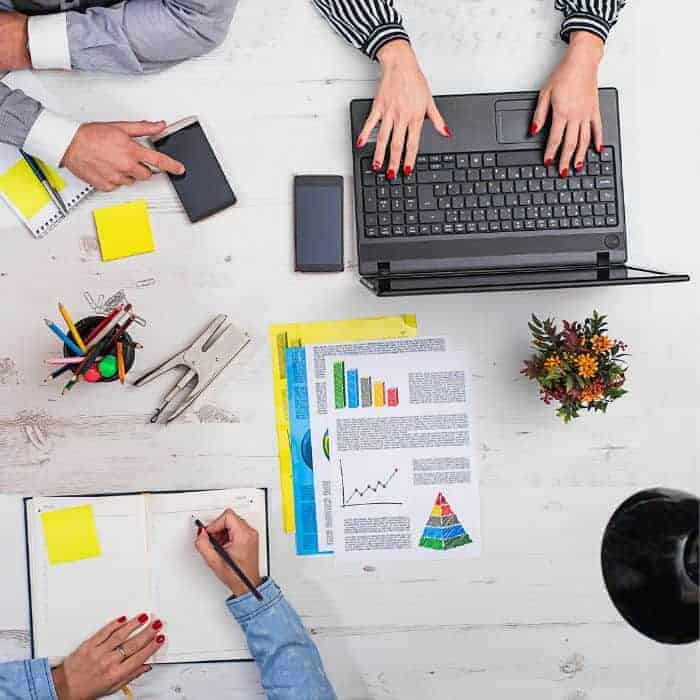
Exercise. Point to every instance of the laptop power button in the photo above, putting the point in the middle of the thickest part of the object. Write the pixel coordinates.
(612, 241)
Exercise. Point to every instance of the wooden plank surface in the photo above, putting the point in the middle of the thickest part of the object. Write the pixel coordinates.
(530, 619)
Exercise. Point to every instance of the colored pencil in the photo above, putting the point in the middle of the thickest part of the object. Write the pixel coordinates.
(63, 337)
(108, 328)
(226, 557)
(71, 327)
(98, 328)
(89, 361)
(64, 360)
(120, 361)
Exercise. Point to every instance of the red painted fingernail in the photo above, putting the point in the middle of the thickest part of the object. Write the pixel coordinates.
(533, 129)
(407, 170)
(157, 625)
(564, 172)
(376, 165)
(547, 162)
(579, 166)
(142, 617)
(390, 174)
(448, 132)
(121, 620)
(600, 148)
(160, 639)
(360, 143)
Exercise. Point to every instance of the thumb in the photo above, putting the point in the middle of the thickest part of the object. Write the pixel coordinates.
(437, 119)
(140, 128)
(539, 118)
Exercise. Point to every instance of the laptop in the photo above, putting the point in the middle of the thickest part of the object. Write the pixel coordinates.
(481, 212)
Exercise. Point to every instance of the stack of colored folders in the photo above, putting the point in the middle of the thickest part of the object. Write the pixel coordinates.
(443, 529)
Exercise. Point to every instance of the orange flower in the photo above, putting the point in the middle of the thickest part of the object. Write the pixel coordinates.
(587, 366)
(552, 362)
(601, 343)
(592, 393)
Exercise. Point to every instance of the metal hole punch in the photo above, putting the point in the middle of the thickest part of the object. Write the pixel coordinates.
(213, 350)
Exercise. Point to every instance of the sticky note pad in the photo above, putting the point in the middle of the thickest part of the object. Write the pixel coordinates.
(124, 230)
(22, 187)
(70, 534)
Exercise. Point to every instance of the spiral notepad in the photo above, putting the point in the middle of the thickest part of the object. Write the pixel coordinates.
(20, 188)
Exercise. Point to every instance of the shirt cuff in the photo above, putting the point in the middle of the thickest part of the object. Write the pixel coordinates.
(246, 607)
(50, 136)
(584, 22)
(40, 680)
(48, 42)
(383, 35)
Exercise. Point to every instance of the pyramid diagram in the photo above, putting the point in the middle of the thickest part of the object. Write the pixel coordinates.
(443, 529)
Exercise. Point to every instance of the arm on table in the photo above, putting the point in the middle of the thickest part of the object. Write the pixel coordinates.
(135, 36)
(571, 92)
(27, 679)
(290, 665)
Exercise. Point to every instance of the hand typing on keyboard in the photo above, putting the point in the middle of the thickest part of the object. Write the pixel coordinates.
(571, 93)
(401, 104)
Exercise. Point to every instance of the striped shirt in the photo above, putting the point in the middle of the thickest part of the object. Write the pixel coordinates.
(370, 24)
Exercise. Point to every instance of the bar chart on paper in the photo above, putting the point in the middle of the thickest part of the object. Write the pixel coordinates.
(350, 390)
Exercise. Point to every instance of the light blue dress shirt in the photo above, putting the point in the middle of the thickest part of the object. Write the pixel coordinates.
(289, 662)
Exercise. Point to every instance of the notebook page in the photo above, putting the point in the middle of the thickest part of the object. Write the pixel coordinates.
(40, 222)
(71, 601)
(184, 591)
(14, 603)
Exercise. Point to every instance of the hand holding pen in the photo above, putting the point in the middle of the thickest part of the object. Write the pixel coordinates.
(241, 543)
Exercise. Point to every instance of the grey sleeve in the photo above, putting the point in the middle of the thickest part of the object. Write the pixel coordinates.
(18, 112)
(139, 36)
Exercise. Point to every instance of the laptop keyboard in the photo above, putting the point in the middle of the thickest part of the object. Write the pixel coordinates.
(502, 192)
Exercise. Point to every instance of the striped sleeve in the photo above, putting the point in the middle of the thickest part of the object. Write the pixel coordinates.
(366, 24)
(595, 16)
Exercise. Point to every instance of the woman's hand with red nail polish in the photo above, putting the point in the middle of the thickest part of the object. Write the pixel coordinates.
(571, 94)
(113, 657)
(402, 101)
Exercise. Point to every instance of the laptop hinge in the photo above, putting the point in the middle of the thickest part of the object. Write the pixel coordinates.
(603, 265)
(383, 270)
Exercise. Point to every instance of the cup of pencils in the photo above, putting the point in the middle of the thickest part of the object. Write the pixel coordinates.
(96, 348)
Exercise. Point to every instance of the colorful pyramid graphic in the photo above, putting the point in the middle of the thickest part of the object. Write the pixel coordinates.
(443, 530)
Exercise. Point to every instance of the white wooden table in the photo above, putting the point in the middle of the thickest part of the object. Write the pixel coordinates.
(530, 619)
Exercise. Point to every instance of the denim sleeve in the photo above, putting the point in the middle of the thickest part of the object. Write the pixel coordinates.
(27, 680)
(139, 36)
(290, 665)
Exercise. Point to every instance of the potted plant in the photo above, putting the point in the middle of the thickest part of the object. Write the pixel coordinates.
(579, 367)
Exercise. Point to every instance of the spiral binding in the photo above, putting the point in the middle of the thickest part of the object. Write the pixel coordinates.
(55, 218)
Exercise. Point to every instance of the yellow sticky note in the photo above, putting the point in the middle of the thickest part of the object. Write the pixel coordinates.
(299, 334)
(22, 187)
(70, 534)
(124, 230)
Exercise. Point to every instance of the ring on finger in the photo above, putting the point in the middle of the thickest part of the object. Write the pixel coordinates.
(122, 651)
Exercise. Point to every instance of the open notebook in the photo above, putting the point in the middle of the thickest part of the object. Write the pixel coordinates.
(146, 563)
(19, 187)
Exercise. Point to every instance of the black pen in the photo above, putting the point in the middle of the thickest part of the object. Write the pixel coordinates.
(51, 191)
(225, 556)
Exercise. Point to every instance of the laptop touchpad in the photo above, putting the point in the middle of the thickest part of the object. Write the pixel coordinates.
(513, 119)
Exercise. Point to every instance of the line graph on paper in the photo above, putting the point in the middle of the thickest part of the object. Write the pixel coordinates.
(374, 489)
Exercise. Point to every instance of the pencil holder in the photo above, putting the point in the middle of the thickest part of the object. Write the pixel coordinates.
(85, 326)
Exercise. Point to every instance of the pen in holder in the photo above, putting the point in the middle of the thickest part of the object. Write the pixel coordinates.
(108, 367)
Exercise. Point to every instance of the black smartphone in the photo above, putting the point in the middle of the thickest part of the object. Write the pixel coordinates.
(318, 223)
(203, 189)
